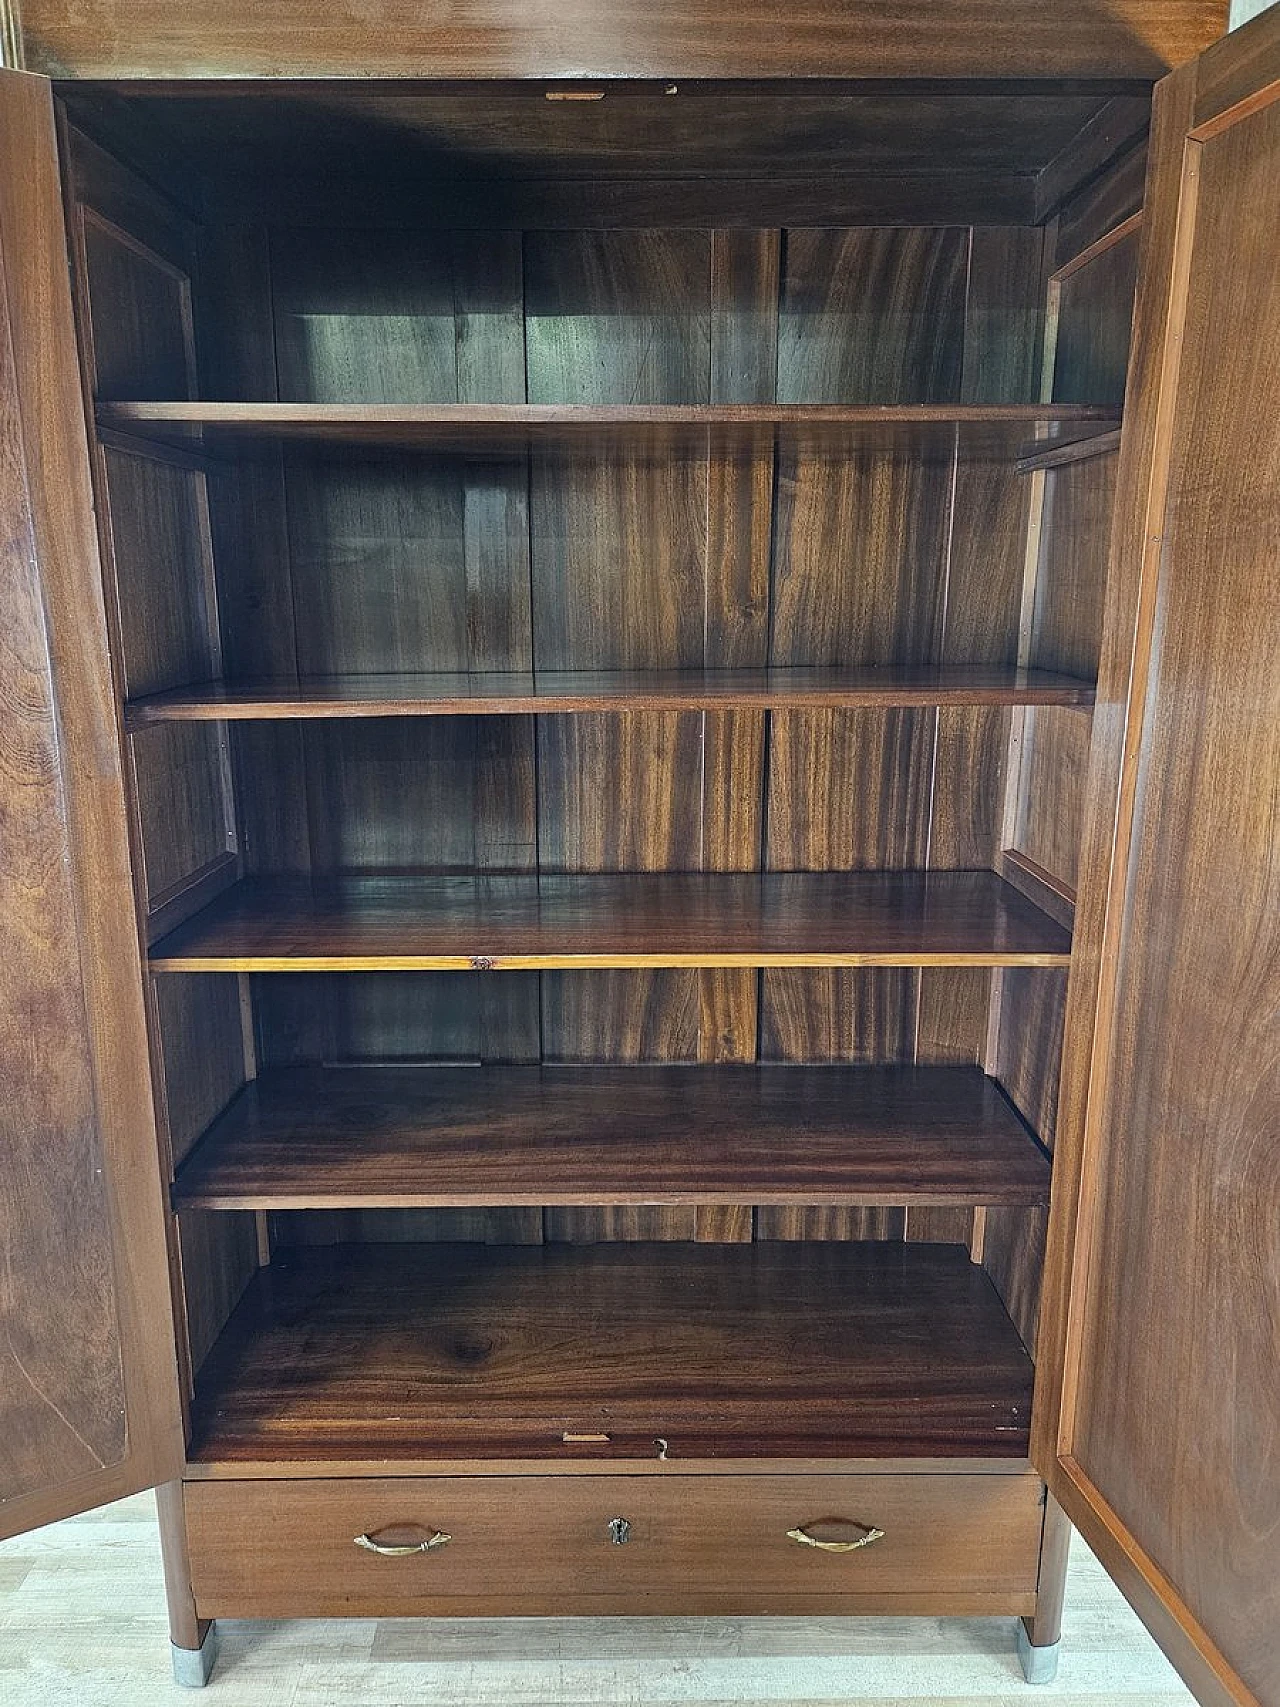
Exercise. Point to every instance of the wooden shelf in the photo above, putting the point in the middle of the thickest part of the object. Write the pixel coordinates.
(475, 1351)
(453, 1137)
(505, 429)
(497, 694)
(949, 918)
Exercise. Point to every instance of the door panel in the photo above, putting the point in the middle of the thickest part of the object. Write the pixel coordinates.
(88, 1385)
(1166, 1447)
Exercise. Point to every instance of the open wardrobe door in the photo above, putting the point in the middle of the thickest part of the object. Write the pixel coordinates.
(1161, 1340)
(88, 1386)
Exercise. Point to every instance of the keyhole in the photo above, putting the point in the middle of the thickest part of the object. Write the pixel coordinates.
(619, 1531)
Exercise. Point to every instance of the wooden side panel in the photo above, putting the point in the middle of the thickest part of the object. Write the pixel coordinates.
(1091, 297)
(1095, 312)
(88, 1391)
(200, 1031)
(135, 265)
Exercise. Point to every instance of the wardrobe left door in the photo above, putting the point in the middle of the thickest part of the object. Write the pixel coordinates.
(89, 1404)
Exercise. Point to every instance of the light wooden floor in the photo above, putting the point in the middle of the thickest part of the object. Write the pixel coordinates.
(82, 1622)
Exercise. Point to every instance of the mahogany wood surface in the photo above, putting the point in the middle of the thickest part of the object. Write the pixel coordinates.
(574, 39)
(494, 693)
(285, 1549)
(838, 1349)
(728, 1134)
(481, 923)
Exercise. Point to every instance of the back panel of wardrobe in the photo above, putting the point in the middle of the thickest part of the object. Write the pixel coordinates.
(609, 562)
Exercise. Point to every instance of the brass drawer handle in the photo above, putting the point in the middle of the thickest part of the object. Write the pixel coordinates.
(403, 1549)
(868, 1535)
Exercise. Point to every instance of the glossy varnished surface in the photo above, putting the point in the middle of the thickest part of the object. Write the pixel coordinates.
(484, 1135)
(956, 918)
(511, 693)
(740, 1350)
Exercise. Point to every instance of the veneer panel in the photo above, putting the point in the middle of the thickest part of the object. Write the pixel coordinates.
(865, 1014)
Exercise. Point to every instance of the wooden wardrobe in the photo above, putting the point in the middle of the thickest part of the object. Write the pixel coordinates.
(640, 809)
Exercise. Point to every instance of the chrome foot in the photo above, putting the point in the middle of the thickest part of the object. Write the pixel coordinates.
(1039, 1665)
(192, 1667)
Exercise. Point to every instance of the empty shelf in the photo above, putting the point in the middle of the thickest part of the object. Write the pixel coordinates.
(401, 1137)
(512, 429)
(446, 694)
(947, 918)
(477, 1351)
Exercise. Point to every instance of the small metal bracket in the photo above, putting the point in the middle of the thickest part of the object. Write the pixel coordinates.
(1039, 1665)
(193, 1667)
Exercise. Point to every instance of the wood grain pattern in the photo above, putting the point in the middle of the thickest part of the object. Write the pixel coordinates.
(663, 429)
(140, 314)
(621, 559)
(719, 1349)
(513, 142)
(1141, 477)
(1111, 132)
(185, 815)
(161, 551)
(513, 694)
(1095, 311)
(1191, 1090)
(849, 791)
(530, 1541)
(908, 350)
(680, 39)
(896, 511)
(1079, 502)
(456, 1136)
(63, 1416)
(1112, 197)
(1055, 760)
(198, 1024)
(1003, 320)
(489, 923)
(218, 1257)
(90, 1387)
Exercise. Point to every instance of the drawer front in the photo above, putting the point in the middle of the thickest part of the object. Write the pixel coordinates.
(542, 1544)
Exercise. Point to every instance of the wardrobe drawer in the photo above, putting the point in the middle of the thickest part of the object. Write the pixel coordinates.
(655, 1543)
